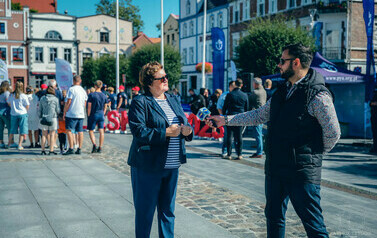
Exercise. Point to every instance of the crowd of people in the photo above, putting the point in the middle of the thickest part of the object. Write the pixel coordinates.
(47, 114)
(232, 102)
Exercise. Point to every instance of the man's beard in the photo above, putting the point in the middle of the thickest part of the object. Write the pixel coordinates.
(288, 73)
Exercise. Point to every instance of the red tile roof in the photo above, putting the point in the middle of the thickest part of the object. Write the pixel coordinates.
(42, 6)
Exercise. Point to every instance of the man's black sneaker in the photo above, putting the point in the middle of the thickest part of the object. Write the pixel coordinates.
(37, 145)
(99, 150)
(94, 149)
(78, 151)
(68, 152)
(31, 146)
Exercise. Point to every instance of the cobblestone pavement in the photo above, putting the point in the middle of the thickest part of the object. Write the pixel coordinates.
(237, 213)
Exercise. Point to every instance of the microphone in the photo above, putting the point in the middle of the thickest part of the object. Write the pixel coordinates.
(203, 113)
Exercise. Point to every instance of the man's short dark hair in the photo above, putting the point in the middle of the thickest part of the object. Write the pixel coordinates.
(239, 82)
(230, 83)
(76, 78)
(302, 52)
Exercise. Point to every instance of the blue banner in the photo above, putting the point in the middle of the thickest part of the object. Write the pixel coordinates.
(218, 45)
(317, 33)
(370, 70)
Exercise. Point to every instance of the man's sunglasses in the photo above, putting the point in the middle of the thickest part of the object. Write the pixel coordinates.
(163, 79)
(282, 61)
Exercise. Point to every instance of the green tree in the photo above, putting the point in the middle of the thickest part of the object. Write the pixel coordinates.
(103, 69)
(127, 11)
(89, 72)
(16, 6)
(259, 52)
(149, 53)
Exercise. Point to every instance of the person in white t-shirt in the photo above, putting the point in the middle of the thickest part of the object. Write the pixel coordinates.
(74, 113)
(19, 105)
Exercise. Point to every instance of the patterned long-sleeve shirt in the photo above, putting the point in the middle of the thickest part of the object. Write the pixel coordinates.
(321, 107)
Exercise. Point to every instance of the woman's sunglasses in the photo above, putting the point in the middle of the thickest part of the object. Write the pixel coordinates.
(163, 79)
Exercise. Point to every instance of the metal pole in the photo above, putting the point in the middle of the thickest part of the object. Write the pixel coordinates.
(204, 44)
(117, 46)
(162, 32)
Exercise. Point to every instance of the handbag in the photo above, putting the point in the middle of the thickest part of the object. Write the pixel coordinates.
(46, 120)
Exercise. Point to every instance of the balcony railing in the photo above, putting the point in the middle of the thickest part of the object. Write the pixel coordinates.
(334, 53)
(332, 6)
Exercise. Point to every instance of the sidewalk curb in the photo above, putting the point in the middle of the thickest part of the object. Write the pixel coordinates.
(324, 182)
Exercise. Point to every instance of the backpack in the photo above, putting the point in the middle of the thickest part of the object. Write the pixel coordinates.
(47, 119)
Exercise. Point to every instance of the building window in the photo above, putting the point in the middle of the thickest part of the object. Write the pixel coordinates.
(261, 8)
(246, 10)
(18, 54)
(184, 56)
(2, 27)
(220, 20)
(236, 14)
(191, 28)
(191, 55)
(104, 37)
(211, 22)
(86, 56)
(188, 7)
(291, 3)
(53, 54)
(68, 55)
(272, 6)
(184, 29)
(53, 35)
(200, 25)
(104, 52)
(38, 54)
(3, 53)
(168, 39)
(173, 40)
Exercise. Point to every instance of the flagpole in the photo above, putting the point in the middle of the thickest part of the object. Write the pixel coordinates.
(117, 46)
(204, 44)
(162, 32)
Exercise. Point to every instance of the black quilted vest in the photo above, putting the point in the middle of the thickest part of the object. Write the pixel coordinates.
(294, 144)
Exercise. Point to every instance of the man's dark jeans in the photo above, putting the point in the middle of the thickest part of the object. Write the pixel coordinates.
(305, 198)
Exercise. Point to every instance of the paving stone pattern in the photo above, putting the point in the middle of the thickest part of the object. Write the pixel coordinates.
(234, 212)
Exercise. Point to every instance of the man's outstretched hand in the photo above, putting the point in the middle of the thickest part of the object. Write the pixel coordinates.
(219, 120)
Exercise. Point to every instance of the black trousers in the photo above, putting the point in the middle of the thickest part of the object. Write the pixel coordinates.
(236, 132)
(62, 139)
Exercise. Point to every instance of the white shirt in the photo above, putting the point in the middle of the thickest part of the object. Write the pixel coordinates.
(18, 106)
(78, 96)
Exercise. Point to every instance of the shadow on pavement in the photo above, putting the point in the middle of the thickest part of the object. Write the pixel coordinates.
(366, 170)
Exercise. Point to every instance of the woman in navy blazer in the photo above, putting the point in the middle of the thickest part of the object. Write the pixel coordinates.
(160, 129)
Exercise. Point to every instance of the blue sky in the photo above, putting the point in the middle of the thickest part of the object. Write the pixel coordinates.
(149, 11)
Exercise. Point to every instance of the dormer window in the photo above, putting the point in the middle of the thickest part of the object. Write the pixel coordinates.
(53, 35)
(104, 35)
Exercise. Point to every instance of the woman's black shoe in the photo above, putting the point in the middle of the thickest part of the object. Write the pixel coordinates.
(43, 152)
(94, 149)
(52, 152)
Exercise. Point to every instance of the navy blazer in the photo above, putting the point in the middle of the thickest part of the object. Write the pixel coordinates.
(148, 124)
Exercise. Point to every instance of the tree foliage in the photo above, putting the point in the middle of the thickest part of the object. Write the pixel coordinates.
(127, 11)
(260, 50)
(103, 69)
(149, 53)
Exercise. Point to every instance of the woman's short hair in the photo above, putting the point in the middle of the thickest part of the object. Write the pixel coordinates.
(147, 72)
(218, 91)
(110, 89)
(268, 83)
(50, 90)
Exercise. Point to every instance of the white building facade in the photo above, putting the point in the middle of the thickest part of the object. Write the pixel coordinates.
(191, 40)
(51, 36)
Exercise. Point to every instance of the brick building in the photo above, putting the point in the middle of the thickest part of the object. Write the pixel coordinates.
(342, 36)
(13, 36)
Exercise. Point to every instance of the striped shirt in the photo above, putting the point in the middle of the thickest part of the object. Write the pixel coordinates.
(172, 160)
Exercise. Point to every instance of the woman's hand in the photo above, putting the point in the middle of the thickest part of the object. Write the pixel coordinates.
(173, 130)
(186, 130)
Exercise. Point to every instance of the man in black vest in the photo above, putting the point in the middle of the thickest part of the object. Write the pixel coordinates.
(302, 126)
